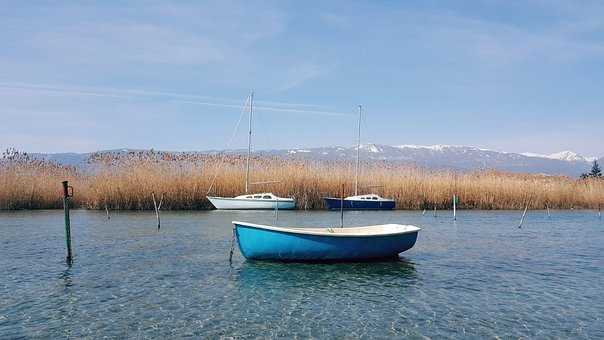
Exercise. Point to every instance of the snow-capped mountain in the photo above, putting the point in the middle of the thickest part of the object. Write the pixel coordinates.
(433, 156)
(452, 157)
(563, 156)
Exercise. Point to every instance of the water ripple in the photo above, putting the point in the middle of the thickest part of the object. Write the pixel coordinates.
(478, 277)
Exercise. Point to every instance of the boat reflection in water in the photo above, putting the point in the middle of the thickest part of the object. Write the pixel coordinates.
(396, 272)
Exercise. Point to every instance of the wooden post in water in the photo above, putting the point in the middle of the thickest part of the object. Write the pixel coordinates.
(342, 207)
(454, 208)
(107, 210)
(424, 212)
(66, 195)
(547, 207)
(276, 211)
(455, 197)
(599, 211)
(157, 207)
(523, 214)
(232, 246)
(435, 210)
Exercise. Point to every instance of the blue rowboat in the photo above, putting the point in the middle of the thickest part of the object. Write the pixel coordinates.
(360, 202)
(262, 242)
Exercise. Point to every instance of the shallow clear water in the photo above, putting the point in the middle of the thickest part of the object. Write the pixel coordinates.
(478, 277)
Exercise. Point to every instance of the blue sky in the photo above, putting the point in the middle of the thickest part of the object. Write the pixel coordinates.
(514, 76)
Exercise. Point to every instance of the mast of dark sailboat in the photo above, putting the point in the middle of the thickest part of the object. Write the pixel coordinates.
(249, 144)
(356, 174)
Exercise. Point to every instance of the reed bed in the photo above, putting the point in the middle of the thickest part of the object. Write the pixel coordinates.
(126, 182)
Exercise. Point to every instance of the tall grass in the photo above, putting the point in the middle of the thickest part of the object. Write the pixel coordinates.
(127, 181)
(31, 184)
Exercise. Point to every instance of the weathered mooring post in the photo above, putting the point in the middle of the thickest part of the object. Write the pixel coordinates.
(523, 214)
(454, 207)
(66, 195)
(342, 207)
(455, 199)
(107, 210)
(276, 212)
(157, 207)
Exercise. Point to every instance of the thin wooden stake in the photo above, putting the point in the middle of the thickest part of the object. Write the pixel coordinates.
(157, 207)
(523, 214)
(599, 211)
(276, 211)
(435, 211)
(66, 195)
(548, 214)
(232, 246)
(107, 211)
(342, 208)
(454, 208)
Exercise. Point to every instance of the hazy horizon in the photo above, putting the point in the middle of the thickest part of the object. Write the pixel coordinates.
(299, 148)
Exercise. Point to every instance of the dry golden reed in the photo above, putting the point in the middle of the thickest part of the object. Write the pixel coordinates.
(126, 182)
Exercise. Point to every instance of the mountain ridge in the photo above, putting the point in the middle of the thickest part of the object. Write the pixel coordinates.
(438, 156)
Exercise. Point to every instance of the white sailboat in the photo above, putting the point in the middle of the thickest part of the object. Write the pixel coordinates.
(249, 201)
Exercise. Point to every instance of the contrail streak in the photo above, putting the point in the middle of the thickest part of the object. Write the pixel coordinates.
(267, 108)
(178, 97)
(61, 91)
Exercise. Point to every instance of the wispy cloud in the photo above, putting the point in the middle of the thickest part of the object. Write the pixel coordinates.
(215, 32)
(505, 42)
(56, 90)
(274, 109)
(170, 96)
(130, 93)
(128, 43)
(336, 20)
(300, 73)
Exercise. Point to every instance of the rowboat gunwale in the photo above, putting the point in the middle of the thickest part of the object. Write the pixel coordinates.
(337, 231)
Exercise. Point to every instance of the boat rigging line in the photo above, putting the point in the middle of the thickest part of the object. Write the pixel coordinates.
(247, 100)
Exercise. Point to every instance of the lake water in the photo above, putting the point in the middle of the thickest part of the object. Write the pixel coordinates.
(478, 277)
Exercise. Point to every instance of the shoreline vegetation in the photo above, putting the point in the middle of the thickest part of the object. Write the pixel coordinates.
(127, 181)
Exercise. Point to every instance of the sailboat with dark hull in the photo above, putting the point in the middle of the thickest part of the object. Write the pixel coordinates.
(359, 202)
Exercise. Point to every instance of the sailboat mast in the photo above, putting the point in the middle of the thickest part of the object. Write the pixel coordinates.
(249, 144)
(356, 174)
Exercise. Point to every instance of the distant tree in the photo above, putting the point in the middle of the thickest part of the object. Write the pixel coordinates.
(595, 172)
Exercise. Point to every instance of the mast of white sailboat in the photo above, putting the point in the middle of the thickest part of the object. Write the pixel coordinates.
(249, 145)
(356, 174)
